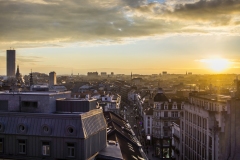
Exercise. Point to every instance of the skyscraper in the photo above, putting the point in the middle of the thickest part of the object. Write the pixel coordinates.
(11, 58)
(52, 78)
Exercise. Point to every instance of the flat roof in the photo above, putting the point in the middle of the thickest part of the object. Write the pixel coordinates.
(213, 97)
(34, 93)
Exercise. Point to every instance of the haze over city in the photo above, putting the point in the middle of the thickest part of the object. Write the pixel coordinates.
(145, 37)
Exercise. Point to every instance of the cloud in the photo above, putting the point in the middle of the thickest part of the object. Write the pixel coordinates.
(57, 22)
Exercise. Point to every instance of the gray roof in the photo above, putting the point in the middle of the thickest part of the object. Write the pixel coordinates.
(160, 97)
(83, 125)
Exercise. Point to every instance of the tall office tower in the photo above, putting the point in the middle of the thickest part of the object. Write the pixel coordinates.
(11, 57)
(52, 78)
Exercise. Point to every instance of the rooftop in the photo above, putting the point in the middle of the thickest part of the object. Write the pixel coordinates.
(34, 93)
(212, 97)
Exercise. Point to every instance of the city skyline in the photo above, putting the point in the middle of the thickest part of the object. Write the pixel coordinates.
(144, 37)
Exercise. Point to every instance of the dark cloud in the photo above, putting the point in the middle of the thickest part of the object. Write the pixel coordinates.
(48, 22)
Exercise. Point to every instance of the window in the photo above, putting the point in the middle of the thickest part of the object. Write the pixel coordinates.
(165, 106)
(165, 114)
(71, 149)
(174, 106)
(1, 145)
(33, 104)
(148, 130)
(165, 123)
(148, 123)
(175, 114)
(165, 133)
(46, 148)
(22, 146)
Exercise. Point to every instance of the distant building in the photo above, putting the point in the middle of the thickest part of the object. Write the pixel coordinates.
(103, 73)
(39, 87)
(137, 81)
(164, 73)
(11, 66)
(92, 74)
(52, 78)
(112, 73)
(19, 77)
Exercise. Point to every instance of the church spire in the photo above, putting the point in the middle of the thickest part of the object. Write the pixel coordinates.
(31, 78)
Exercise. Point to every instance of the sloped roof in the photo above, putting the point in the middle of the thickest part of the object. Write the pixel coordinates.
(160, 97)
(149, 111)
(84, 125)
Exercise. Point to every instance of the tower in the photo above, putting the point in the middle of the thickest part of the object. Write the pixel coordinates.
(18, 72)
(52, 78)
(31, 79)
(11, 58)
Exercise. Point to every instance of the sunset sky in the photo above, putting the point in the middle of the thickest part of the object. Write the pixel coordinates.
(120, 36)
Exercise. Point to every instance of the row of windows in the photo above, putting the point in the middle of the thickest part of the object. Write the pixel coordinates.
(197, 134)
(165, 114)
(200, 154)
(22, 128)
(45, 147)
(197, 120)
(208, 105)
(166, 107)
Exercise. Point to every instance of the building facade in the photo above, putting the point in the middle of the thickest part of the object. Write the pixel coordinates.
(11, 63)
(34, 126)
(165, 112)
(203, 127)
(52, 78)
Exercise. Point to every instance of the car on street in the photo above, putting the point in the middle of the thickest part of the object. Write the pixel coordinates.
(134, 126)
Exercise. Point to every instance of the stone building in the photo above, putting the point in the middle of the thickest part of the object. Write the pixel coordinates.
(34, 126)
(210, 127)
(165, 112)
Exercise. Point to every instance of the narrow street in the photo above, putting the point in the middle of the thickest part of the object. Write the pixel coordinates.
(136, 126)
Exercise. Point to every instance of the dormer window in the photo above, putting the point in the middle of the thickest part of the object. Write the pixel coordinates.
(174, 106)
(165, 106)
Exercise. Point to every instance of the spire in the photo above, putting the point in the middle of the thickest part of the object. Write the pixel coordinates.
(18, 72)
(131, 75)
(31, 78)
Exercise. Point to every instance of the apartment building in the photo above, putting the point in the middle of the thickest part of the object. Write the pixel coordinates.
(203, 126)
(165, 112)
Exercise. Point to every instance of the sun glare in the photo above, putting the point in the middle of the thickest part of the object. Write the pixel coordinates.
(217, 64)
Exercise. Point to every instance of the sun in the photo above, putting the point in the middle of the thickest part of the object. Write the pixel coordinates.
(217, 64)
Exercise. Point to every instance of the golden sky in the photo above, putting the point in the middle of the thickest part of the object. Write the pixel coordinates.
(121, 35)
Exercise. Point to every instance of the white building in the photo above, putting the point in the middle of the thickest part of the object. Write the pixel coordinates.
(203, 127)
(112, 102)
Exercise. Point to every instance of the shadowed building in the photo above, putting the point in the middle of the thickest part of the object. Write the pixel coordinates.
(34, 125)
(11, 58)
(52, 78)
